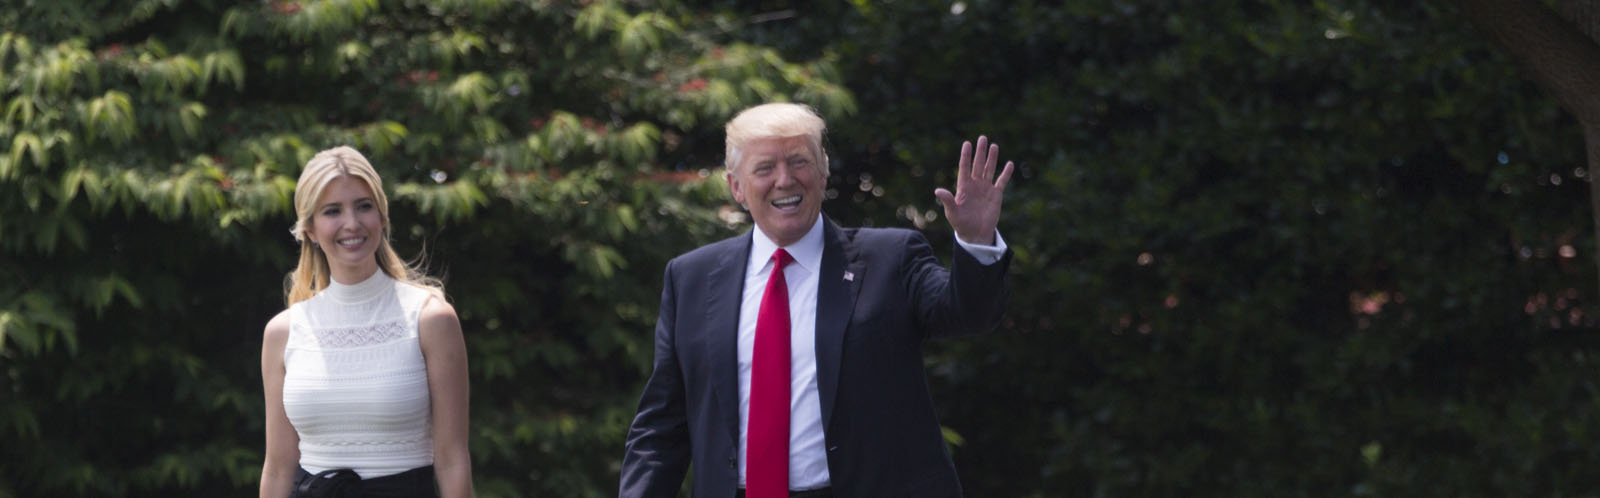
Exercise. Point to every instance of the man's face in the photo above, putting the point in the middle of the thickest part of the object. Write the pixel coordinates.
(780, 181)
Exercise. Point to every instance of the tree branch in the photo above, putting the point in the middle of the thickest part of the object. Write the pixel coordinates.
(1562, 60)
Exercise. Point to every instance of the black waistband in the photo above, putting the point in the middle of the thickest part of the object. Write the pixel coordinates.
(345, 483)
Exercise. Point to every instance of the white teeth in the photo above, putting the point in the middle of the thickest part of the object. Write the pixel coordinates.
(786, 201)
(352, 242)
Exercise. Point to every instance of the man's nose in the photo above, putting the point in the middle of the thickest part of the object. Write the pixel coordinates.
(785, 176)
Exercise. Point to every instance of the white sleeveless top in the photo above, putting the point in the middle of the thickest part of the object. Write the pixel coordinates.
(355, 385)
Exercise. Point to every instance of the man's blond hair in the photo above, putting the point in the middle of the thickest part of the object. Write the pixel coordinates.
(775, 120)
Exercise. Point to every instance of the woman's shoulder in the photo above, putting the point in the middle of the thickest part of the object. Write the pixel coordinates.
(277, 330)
(416, 297)
(413, 287)
(438, 316)
(437, 309)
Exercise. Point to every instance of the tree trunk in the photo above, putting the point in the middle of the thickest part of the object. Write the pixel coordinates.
(1584, 15)
(1562, 56)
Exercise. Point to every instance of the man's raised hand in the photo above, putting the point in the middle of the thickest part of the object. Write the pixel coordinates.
(974, 209)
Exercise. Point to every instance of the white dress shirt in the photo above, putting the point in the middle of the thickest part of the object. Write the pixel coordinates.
(808, 458)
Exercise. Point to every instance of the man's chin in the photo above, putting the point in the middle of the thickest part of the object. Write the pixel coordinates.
(782, 233)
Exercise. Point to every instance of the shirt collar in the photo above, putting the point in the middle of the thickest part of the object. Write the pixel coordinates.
(807, 252)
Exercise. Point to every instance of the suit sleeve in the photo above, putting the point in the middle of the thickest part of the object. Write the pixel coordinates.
(657, 455)
(968, 298)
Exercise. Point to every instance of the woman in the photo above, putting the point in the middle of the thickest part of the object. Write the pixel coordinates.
(366, 373)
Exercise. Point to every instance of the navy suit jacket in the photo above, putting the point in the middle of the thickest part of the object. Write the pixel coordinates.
(882, 437)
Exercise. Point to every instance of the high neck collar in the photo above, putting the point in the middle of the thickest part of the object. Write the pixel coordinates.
(367, 290)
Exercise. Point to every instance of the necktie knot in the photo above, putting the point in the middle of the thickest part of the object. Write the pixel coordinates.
(780, 258)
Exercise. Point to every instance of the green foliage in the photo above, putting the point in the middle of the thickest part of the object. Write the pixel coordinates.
(148, 186)
(1262, 249)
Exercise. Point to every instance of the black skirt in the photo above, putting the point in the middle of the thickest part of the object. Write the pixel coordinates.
(345, 483)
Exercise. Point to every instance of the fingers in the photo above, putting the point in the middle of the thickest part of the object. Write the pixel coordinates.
(988, 166)
(978, 163)
(964, 164)
(1005, 177)
(947, 199)
(980, 155)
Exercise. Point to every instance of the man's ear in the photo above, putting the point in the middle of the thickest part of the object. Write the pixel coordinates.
(733, 187)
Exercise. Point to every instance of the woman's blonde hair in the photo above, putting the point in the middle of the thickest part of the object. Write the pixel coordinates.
(312, 273)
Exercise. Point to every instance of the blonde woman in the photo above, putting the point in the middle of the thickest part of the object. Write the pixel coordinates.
(365, 373)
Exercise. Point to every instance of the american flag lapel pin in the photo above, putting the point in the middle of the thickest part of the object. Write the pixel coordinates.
(849, 277)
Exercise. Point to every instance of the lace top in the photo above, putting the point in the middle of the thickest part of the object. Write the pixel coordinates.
(355, 386)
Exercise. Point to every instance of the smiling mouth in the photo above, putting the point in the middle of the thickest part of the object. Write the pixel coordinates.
(352, 242)
(787, 203)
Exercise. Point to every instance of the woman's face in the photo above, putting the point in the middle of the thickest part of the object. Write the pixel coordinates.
(347, 227)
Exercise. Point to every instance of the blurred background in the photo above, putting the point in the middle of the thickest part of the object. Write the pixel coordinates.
(1263, 248)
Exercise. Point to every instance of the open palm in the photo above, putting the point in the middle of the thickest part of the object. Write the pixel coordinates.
(974, 208)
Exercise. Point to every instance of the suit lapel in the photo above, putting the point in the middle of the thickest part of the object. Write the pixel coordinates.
(725, 288)
(837, 285)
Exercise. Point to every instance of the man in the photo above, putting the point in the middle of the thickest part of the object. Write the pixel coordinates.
(788, 359)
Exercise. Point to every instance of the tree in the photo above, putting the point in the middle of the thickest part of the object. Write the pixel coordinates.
(548, 156)
(1559, 49)
(1264, 248)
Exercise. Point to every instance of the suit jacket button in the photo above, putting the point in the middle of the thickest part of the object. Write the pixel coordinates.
(733, 463)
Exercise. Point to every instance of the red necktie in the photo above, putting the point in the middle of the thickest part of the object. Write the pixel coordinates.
(767, 455)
